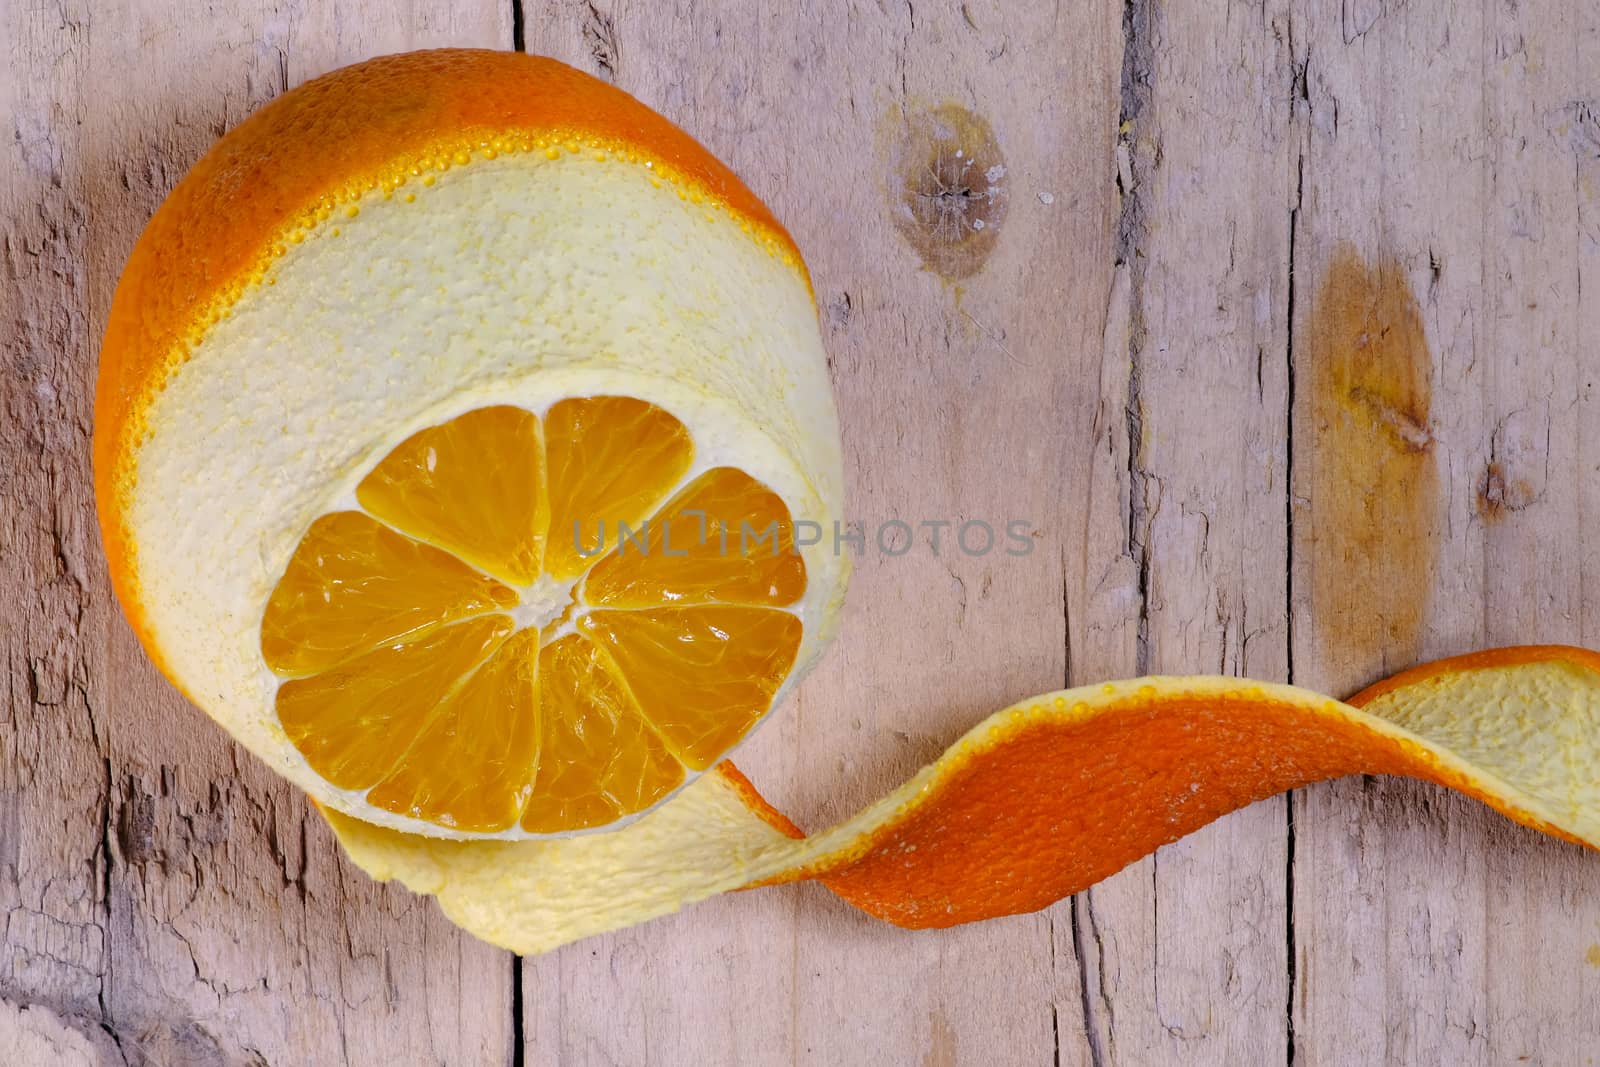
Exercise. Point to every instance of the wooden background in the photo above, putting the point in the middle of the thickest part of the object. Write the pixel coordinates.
(1276, 330)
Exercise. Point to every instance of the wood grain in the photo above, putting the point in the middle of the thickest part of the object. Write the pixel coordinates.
(1190, 943)
(1407, 895)
(1155, 350)
(962, 385)
(164, 894)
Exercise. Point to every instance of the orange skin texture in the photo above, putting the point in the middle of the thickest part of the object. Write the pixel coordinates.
(1049, 808)
(374, 125)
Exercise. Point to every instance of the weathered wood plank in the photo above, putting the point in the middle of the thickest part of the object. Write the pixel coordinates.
(1440, 452)
(966, 363)
(160, 886)
(162, 891)
(1191, 962)
(54, 767)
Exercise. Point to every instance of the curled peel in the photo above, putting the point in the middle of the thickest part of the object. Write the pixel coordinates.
(1043, 799)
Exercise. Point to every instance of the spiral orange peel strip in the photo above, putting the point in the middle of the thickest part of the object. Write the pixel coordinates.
(1043, 799)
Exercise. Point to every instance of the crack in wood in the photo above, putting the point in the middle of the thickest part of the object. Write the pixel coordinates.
(519, 1050)
(600, 37)
(1055, 1010)
(1288, 595)
(1132, 233)
(1288, 927)
(105, 860)
(1091, 1031)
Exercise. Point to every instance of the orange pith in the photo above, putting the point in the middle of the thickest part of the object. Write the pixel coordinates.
(386, 126)
(542, 622)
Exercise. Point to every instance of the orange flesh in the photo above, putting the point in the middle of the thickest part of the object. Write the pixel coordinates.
(702, 675)
(340, 594)
(481, 647)
(474, 487)
(610, 458)
(602, 758)
(716, 542)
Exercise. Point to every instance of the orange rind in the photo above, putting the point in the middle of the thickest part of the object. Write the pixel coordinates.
(1043, 799)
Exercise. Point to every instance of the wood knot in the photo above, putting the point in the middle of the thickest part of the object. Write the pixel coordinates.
(948, 193)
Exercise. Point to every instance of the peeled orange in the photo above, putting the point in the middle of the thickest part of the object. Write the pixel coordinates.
(457, 421)
(454, 416)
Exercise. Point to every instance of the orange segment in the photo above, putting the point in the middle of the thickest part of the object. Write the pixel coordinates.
(353, 723)
(725, 538)
(354, 584)
(470, 766)
(612, 460)
(599, 760)
(703, 675)
(474, 486)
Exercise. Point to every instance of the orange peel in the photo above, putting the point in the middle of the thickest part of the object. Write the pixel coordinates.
(1042, 799)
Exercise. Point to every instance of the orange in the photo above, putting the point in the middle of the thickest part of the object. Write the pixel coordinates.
(453, 419)
(395, 358)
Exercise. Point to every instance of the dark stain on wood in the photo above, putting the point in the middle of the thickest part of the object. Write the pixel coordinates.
(941, 1042)
(1374, 475)
(1518, 469)
(136, 825)
(1499, 494)
(947, 191)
